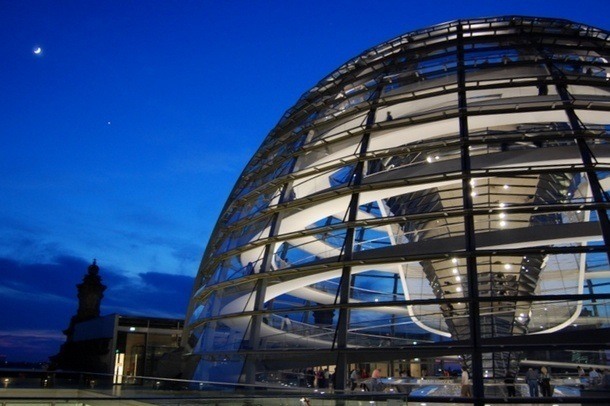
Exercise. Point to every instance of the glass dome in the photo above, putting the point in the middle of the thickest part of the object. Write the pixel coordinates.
(438, 201)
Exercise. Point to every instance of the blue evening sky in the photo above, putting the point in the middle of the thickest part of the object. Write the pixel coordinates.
(122, 139)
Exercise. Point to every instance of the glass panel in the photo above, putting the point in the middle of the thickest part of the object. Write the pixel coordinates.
(416, 285)
(314, 215)
(540, 373)
(589, 92)
(223, 335)
(301, 251)
(415, 134)
(249, 208)
(376, 286)
(285, 331)
(326, 153)
(310, 185)
(243, 235)
(216, 368)
(544, 203)
(237, 266)
(416, 160)
(294, 330)
(550, 316)
(193, 340)
(423, 215)
(270, 165)
(377, 328)
(340, 128)
(236, 298)
(415, 109)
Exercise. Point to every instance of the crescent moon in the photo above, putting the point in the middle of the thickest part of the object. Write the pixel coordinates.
(37, 50)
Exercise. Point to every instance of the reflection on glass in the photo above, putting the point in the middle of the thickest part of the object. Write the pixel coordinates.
(436, 203)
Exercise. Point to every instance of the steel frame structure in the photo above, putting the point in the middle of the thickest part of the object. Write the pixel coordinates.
(442, 194)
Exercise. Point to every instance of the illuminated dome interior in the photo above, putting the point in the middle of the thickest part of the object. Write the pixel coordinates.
(437, 195)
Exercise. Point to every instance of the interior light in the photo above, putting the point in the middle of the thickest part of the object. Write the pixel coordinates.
(502, 215)
(473, 194)
(429, 159)
(458, 289)
(502, 204)
(505, 187)
(458, 278)
(455, 271)
(507, 266)
(454, 260)
(502, 223)
(132, 329)
(436, 157)
(472, 182)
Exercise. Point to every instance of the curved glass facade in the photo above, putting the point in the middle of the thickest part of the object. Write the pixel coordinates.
(438, 201)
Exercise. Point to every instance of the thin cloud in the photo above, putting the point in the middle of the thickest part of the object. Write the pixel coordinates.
(33, 334)
(33, 295)
(210, 163)
(147, 218)
(39, 299)
(30, 345)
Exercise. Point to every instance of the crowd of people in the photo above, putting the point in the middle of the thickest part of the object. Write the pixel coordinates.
(594, 379)
(357, 376)
(538, 381)
(320, 378)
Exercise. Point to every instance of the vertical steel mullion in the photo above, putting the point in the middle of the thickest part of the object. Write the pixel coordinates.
(469, 231)
(394, 294)
(261, 291)
(585, 154)
(341, 372)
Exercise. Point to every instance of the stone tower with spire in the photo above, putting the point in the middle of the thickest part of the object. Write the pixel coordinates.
(90, 294)
(83, 356)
